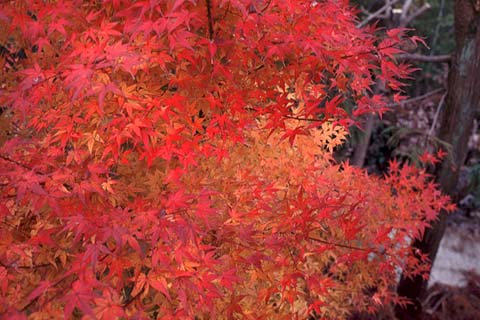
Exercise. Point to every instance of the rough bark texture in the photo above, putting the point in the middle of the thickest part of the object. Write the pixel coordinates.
(463, 101)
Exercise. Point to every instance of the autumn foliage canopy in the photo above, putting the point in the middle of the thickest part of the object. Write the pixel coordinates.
(173, 159)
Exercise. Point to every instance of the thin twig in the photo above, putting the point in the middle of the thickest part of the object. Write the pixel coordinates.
(33, 266)
(376, 13)
(414, 15)
(19, 164)
(371, 51)
(266, 6)
(210, 20)
(437, 26)
(416, 99)
(434, 122)
(303, 119)
(405, 9)
(341, 245)
(437, 112)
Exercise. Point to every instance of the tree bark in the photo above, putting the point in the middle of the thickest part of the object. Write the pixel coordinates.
(463, 100)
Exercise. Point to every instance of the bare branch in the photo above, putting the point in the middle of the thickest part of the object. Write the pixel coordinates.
(416, 99)
(406, 7)
(437, 112)
(424, 58)
(405, 22)
(438, 24)
(210, 20)
(15, 162)
(304, 119)
(377, 13)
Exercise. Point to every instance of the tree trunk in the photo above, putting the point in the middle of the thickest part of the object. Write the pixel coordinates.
(463, 100)
(361, 148)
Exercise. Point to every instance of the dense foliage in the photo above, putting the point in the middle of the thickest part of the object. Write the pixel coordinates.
(173, 159)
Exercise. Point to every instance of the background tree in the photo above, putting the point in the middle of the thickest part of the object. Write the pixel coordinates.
(462, 104)
(376, 143)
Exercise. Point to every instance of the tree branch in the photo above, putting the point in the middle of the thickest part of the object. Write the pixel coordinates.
(424, 58)
(437, 26)
(405, 8)
(303, 119)
(416, 99)
(437, 113)
(341, 245)
(405, 22)
(210, 20)
(21, 165)
(377, 13)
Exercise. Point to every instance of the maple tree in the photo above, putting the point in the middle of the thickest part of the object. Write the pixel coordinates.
(174, 159)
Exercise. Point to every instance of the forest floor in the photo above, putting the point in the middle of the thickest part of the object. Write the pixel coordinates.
(459, 253)
(454, 288)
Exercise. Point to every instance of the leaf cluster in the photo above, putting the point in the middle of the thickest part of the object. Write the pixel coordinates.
(173, 159)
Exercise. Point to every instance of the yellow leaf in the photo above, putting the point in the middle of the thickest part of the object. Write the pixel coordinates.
(139, 284)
